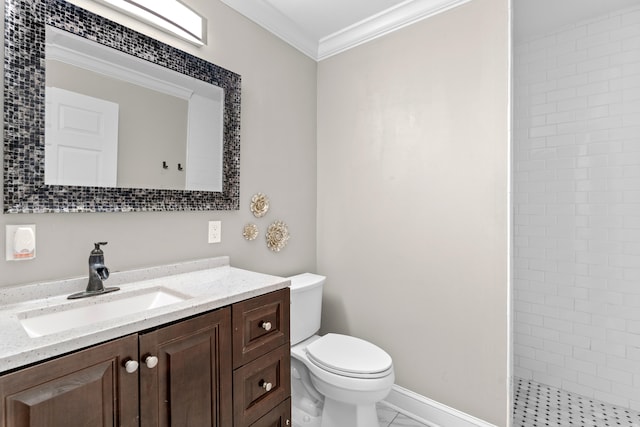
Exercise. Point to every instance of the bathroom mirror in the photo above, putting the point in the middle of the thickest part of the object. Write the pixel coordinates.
(25, 188)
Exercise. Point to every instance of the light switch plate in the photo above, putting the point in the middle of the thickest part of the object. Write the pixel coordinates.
(215, 231)
(15, 254)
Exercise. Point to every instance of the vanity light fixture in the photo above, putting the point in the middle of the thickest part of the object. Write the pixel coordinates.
(169, 15)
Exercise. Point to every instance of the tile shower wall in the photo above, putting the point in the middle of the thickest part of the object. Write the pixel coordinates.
(577, 208)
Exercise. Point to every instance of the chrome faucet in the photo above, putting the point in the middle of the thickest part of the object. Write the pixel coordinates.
(97, 273)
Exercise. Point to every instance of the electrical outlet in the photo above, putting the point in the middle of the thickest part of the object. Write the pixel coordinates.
(215, 231)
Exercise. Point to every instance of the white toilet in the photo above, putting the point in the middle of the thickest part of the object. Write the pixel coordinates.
(336, 380)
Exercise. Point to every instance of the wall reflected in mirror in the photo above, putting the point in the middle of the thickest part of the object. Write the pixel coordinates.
(114, 120)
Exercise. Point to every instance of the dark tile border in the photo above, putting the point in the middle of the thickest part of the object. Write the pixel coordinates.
(24, 81)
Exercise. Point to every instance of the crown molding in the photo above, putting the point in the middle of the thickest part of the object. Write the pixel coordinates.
(385, 22)
(388, 21)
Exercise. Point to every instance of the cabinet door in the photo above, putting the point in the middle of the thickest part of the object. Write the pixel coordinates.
(191, 384)
(280, 416)
(86, 388)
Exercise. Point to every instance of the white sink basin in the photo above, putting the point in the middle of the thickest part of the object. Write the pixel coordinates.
(95, 309)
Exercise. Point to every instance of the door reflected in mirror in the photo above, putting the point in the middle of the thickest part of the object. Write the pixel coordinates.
(114, 120)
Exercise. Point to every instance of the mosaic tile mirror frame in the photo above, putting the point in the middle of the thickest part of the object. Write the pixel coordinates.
(24, 115)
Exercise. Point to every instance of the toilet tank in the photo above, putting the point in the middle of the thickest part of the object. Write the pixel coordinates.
(306, 305)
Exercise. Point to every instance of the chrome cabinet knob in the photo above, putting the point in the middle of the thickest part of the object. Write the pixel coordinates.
(131, 366)
(151, 361)
(266, 326)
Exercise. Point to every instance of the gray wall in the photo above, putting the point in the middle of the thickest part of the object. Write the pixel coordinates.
(412, 202)
(278, 153)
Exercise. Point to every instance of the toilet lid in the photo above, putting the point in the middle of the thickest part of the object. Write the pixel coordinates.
(349, 356)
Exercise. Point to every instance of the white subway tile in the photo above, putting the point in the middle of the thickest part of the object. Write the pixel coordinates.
(541, 131)
(532, 364)
(625, 57)
(609, 348)
(612, 398)
(630, 69)
(590, 331)
(563, 71)
(562, 117)
(594, 382)
(605, 98)
(633, 326)
(615, 375)
(543, 42)
(605, 49)
(581, 366)
(625, 83)
(593, 88)
(550, 379)
(623, 338)
(560, 140)
(632, 18)
(575, 387)
(623, 363)
(604, 25)
(588, 355)
(624, 261)
(634, 354)
(550, 358)
(572, 104)
(605, 74)
(542, 265)
(558, 347)
(631, 43)
(593, 64)
(593, 39)
(521, 372)
(574, 33)
(575, 317)
(544, 109)
(561, 94)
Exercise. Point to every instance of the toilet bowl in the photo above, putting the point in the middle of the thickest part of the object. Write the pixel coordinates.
(336, 379)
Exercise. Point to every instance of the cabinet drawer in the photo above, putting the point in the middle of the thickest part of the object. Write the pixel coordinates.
(279, 416)
(260, 325)
(261, 385)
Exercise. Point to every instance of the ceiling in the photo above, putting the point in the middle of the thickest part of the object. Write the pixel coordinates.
(322, 28)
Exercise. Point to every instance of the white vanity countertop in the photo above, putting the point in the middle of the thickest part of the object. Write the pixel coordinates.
(208, 284)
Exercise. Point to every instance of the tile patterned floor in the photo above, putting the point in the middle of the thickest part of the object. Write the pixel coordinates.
(538, 405)
(387, 417)
(390, 418)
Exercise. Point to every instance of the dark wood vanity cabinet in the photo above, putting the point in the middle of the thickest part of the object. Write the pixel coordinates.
(185, 373)
(261, 360)
(86, 388)
(188, 375)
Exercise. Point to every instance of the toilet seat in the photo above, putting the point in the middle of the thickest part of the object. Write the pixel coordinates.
(349, 356)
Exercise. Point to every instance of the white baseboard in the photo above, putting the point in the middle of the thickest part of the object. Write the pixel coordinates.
(429, 412)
